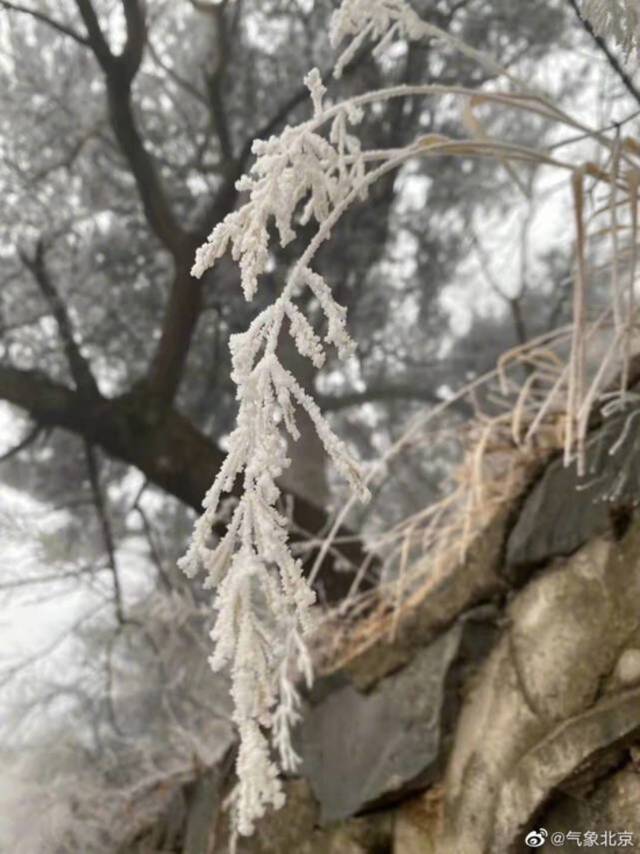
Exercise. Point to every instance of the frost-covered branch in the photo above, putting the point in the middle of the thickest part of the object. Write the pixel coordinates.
(312, 172)
(263, 600)
(382, 21)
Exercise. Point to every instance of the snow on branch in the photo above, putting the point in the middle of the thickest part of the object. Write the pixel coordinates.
(381, 21)
(263, 602)
(312, 172)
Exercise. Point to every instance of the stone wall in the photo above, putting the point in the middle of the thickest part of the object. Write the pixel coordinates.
(509, 700)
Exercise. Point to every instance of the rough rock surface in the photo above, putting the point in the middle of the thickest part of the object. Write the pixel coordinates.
(613, 805)
(357, 747)
(557, 518)
(416, 824)
(545, 668)
(564, 511)
(548, 700)
(378, 729)
(294, 830)
(362, 748)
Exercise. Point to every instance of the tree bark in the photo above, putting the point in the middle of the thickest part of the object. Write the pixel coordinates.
(164, 445)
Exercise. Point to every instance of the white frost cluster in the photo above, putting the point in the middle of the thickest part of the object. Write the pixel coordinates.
(299, 167)
(263, 601)
(380, 20)
(616, 19)
(311, 172)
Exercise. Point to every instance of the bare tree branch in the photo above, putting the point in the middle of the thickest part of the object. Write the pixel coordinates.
(185, 300)
(51, 578)
(105, 527)
(513, 302)
(29, 439)
(181, 82)
(78, 365)
(45, 19)
(153, 550)
(96, 39)
(119, 72)
(181, 315)
(169, 450)
(215, 84)
(135, 17)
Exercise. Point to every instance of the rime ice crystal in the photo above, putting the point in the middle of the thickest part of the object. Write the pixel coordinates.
(379, 21)
(263, 603)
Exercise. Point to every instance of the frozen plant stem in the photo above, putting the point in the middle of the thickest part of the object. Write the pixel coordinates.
(313, 171)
